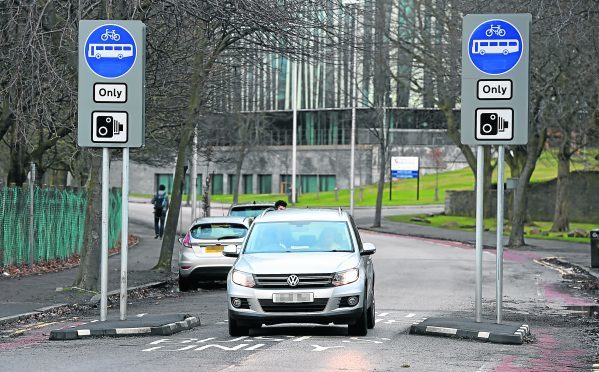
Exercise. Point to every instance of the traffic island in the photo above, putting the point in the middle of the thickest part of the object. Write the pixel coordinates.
(505, 333)
(146, 325)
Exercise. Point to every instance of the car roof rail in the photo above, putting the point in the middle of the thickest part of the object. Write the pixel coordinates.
(269, 209)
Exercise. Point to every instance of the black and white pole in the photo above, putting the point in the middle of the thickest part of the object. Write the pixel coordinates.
(124, 234)
(480, 158)
(104, 252)
(500, 203)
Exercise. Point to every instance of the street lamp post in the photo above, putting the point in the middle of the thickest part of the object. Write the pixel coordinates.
(352, 167)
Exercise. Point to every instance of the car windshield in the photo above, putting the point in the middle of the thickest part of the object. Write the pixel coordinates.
(216, 231)
(248, 211)
(299, 236)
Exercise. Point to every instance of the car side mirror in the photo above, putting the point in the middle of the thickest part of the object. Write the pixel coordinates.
(368, 248)
(231, 251)
(180, 240)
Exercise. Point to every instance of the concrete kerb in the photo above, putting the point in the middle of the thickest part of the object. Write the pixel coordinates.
(506, 333)
(149, 325)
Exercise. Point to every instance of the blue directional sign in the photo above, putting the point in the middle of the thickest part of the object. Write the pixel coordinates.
(110, 51)
(495, 47)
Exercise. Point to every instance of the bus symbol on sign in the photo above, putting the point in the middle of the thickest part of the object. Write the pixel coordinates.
(110, 51)
(495, 47)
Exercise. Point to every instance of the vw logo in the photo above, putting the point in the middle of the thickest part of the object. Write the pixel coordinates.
(292, 280)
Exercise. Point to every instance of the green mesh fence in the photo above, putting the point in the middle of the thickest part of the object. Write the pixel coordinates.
(58, 224)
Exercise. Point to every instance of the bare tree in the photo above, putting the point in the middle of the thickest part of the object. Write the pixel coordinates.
(216, 27)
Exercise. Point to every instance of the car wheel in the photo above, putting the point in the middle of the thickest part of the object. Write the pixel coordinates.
(236, 330)
(371, 315)
(184, 284)
(360, 327)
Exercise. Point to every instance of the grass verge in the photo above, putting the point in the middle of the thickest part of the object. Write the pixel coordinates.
(540, 229)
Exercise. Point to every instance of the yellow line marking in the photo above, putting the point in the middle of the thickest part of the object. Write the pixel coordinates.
(30, 327)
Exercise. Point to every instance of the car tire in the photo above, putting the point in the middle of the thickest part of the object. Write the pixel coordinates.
(236, 330)
(371, 314)
(360, 327)
(184, 284)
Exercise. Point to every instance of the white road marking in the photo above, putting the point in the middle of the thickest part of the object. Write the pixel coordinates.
(383, 314)
(410, 315)
(189, 347)
(153, 348)
(390, 321)
(303, 338)
(323, 348)
(365, 340)
(237, 347)
(236, 339)
(140, 315)
(257, 346)
(378, 320)
(268, 338)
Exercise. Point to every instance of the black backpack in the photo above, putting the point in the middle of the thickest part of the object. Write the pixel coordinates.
(159, 202)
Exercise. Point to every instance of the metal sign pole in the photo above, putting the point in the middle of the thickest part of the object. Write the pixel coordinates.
(124, 233)
(479, 230)
(294, 84)
(104, 252)
(499, 271)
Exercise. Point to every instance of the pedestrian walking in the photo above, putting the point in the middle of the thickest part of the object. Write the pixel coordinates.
(160, 202)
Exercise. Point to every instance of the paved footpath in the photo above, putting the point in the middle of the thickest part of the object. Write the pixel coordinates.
(34, 293)
(30, 293)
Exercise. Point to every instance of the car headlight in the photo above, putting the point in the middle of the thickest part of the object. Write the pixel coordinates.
(346, 277)
(243, 278)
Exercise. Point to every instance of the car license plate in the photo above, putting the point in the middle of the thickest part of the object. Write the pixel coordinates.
(213, 249)
(292, 297)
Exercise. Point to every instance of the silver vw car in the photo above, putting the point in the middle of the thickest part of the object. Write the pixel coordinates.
(301, 266)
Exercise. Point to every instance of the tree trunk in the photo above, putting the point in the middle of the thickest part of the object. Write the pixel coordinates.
(561, 220)
(380, 187)
(206, 196)
(238, 165)
(172, 219)
(534, 148)
(89, 268)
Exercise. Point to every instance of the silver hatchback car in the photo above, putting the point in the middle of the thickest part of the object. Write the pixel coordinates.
(301, 266)
(200, 256)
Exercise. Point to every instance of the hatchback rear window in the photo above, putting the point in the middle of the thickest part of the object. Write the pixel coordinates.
(248, 210)
(216, 231)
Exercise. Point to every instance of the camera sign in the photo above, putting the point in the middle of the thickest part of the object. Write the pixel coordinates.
(109, 126)
(494, 124)
(111, 110)
(495, 79)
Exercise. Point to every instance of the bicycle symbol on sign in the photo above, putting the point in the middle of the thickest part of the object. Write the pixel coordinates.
(497, 30)
(112, 35)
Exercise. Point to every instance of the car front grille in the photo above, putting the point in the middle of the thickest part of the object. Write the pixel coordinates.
(305, 280)
(301, 307)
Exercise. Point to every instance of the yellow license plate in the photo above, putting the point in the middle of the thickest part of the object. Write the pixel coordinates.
(213, 249)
